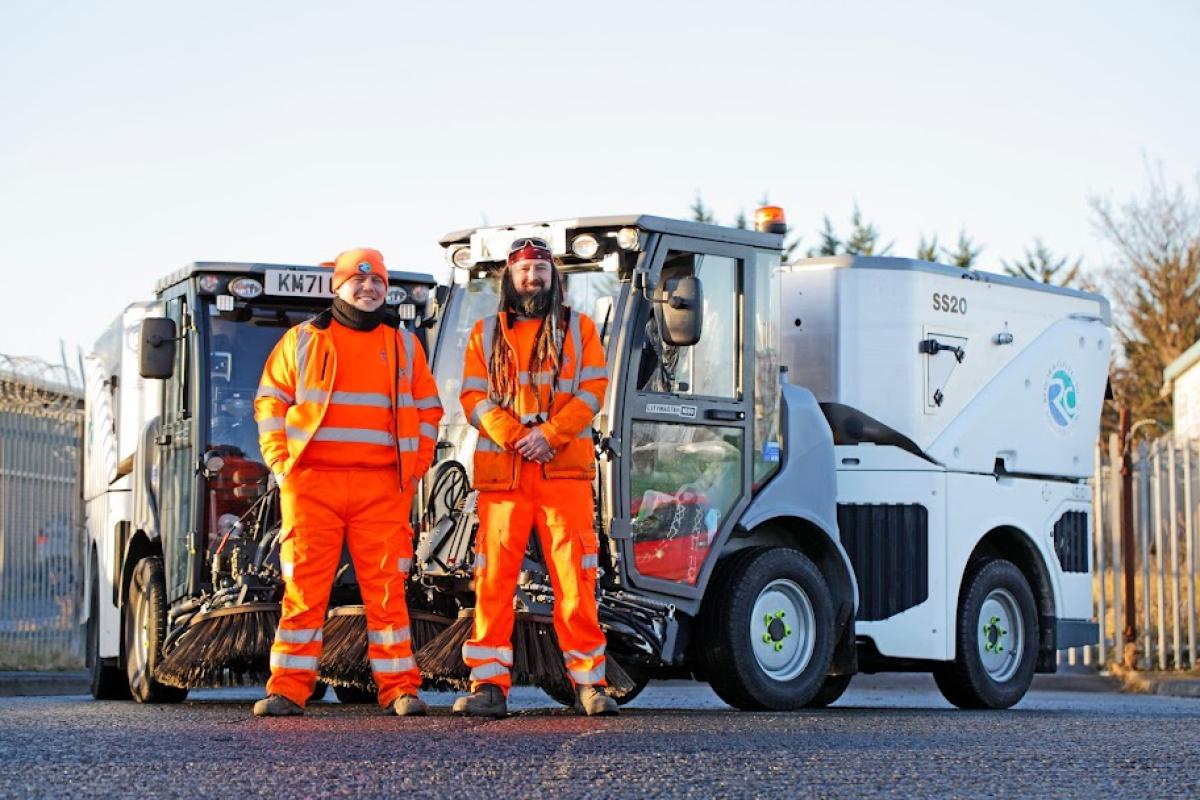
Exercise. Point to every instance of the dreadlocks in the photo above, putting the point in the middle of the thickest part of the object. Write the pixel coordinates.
(547, 346)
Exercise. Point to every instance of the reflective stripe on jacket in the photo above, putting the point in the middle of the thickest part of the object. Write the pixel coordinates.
(297, 385)
(566, 422)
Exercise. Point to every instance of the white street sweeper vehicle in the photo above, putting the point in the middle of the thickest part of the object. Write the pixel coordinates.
(181, 516)
(808, 470)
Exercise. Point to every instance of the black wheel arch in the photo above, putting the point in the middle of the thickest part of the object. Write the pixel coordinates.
(140, 546)
(820, 548)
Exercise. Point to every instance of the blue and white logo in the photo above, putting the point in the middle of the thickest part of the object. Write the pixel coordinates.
(1061, 397)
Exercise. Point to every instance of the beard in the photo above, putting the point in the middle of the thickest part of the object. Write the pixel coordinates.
(535, 305)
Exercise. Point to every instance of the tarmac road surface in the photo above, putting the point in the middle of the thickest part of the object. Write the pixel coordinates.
(889, 736)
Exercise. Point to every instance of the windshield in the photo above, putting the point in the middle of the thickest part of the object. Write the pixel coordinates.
(592, 293)
(239, 343)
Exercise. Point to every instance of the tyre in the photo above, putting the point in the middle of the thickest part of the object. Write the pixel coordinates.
(106, 682)
(352, 695)
(996, 639)
(145, 628)
(769, 638)
(833, 688)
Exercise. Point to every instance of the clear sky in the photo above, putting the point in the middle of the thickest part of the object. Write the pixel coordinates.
(136, 137)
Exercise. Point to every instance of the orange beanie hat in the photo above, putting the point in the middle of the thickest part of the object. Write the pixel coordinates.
(357, 261)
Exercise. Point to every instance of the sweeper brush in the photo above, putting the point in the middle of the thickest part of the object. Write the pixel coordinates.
(226, 647)
(537, 657)
(344, 661)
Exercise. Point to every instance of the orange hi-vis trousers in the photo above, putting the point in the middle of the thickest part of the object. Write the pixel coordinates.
(366, 509)
(561, 510)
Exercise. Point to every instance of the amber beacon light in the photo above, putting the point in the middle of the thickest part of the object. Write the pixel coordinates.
(770, 219)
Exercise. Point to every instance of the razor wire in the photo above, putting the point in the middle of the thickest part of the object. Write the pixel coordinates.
(41, 541)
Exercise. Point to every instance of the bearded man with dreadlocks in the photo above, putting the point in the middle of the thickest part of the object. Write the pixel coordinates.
(533, 381)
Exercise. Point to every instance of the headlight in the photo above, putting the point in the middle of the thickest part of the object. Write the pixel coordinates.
(585, 245)
(246, 288)
(209, 284)
(627, 239)
(406, 311)
(460, 256)
(396, 295)
(419, 294)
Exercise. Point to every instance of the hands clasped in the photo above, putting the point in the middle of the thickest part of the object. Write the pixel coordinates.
(534, 447)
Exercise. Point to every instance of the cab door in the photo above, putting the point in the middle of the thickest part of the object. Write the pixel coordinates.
(177, 473)
(683, 472)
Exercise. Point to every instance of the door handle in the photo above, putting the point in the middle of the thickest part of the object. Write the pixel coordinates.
(724, 415)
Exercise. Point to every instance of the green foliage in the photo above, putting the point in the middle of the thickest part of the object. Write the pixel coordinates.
(1041, 265)
(1155, 283)
(927, 250)
(965, 251)
(864, 237)
(830, 244)
(701, 212)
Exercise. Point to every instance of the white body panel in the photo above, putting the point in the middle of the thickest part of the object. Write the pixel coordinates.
(117, 407)
(921, 631)
(851, 334)
(962, 509)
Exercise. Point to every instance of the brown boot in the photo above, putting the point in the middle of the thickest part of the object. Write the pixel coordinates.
(276, 705)
(595, 702)
(409, 705)
(487, 701)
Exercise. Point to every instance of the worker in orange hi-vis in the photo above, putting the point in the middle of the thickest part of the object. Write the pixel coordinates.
(347, 416)
(533, 381)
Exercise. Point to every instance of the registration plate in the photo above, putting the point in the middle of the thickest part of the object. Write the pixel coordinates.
(293, 283)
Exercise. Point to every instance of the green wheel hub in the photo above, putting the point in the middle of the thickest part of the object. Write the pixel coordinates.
(1001, 637)
(782, 629)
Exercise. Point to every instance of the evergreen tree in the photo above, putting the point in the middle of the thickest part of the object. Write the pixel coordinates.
(927, 250)
(965, 252)
(740, 220)
(701, 212)
(830, 244)
(864, 237)
(1039, 264)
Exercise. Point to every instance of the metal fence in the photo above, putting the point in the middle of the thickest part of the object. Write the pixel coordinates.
(41, 564)
(1162, 618)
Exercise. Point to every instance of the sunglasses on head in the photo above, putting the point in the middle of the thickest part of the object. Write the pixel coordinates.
(532, 241)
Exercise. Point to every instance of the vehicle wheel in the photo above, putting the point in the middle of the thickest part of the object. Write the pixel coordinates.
(145, 629)
(769, 620)
(833, 688)
(996, 640)
(107, 682)
(352, 695)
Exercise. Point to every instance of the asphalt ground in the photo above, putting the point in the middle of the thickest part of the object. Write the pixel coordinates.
(889, 736)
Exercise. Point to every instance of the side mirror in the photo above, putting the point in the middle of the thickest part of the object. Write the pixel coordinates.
(156, 355)
(680, 306)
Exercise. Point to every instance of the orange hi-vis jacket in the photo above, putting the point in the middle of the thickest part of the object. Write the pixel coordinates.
(565, 420)
(297, 391)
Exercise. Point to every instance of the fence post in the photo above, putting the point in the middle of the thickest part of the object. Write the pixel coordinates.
(1173, 530)
(1189, 523)
(1114, 496)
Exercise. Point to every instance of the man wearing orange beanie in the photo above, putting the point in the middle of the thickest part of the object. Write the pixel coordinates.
(347, 415)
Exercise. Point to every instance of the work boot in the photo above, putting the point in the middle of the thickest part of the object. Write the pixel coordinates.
(595, 702)
(409, 705)
(487, 701)
(276, 705)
